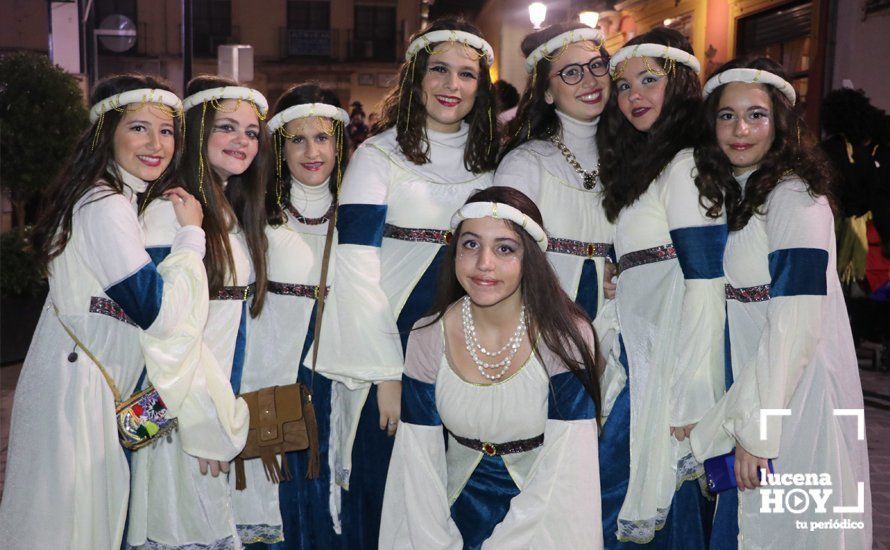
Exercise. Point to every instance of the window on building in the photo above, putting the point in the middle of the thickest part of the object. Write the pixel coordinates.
(212, 25)
(308, 30)
(375, 33)
(783, 35)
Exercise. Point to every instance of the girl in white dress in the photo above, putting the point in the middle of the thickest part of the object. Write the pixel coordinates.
(435, 144)
(182, 499)
(308, 133)
(789, 338)
(505, 367)
(67, 478)
(669, 241)
(552, 155)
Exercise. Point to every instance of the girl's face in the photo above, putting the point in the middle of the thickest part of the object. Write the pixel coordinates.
(449, 85)
(745, 129)
(641, 91)
(144, 141)
(585, 98)
(310, 153)
(488, 264)
(234, 139)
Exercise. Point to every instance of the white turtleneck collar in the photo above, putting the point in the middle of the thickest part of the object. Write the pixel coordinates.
(742, 178)
(580, 138)
(311, 201)
(455, 140)
(132, 184)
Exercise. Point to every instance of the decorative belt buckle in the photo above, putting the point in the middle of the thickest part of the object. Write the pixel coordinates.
(489, 449)
(590, 250)
(448, 236)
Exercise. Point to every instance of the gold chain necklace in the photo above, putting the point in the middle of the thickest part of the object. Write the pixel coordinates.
(589, 176)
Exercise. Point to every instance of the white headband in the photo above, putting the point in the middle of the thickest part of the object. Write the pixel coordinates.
(561, 41)
(465, 38)
(751, 76)
(228, 92)
(654, 50)
(142, 95)
(499, 210)
(306, 110)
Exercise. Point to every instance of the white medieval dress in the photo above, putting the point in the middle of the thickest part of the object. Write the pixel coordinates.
(791, 348)
(67, 478)
(295, 511)
(173, 505)
(520, 467)
(579, 235)
(669, 364)
(392, 223)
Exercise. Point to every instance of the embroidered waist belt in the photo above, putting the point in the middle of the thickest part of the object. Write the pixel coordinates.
(435, 236)
(303, 291)
(578, 248)
(758, 293)
(105, 306)
(647, 256)
(498, 449)
(242, 293)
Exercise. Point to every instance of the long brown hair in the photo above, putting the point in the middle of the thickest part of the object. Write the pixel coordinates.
(243, 198)
(90, 164)
(631, 160)
(552, 315)
(278, 193)
(793, 150)
(403, 107)
(535, 118)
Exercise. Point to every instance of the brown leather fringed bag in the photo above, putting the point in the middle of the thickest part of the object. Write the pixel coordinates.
(282, 418)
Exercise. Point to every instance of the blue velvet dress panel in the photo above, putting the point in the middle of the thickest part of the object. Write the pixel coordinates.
(588, 289)
(484, 501)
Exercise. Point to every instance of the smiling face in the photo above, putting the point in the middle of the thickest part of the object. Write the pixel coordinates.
(233, 141)
(449, 85)
(586, 99)
(488, 264)
(745, 129)
(641, 92)
(144, 141)
(310, 152)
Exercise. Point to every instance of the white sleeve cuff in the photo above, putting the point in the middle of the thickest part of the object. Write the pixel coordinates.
(190, 237)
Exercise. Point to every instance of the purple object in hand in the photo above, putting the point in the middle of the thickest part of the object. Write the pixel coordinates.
(720, 472)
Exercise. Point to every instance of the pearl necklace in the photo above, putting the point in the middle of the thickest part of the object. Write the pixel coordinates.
(511, 348)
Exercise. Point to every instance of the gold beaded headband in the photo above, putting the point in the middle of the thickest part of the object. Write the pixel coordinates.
(499, 210)
(555, 47)
(672, 55)
(751, 76)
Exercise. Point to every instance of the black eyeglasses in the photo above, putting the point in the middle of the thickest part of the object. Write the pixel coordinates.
(574, 73)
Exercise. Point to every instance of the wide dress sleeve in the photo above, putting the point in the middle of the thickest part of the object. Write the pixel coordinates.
(521, 170)
(365, 317)
(799, 230)
(696, 379)
(416, 512)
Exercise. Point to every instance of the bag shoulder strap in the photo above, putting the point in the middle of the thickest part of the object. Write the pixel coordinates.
(78, 343)
(322, 292)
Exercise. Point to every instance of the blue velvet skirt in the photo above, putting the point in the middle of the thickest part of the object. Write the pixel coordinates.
(688, 524)
(484, 501)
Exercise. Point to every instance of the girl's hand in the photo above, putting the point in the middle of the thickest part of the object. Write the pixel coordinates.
(187, 208)
(610, 280)
(213, 466)
(682, 432)
(389, 403)
(747, 468)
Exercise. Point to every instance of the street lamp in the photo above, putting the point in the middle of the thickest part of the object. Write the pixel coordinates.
(537, 12)
(589, 18)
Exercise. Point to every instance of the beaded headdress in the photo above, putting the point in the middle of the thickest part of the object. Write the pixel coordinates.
(428, 42)
(751, 76)
(214, 97)
(499, 210)
(133, 100)
(671, 55)
(338, 118)
(557, 45)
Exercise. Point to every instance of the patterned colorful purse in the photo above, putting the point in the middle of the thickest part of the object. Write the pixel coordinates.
(141, 418)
